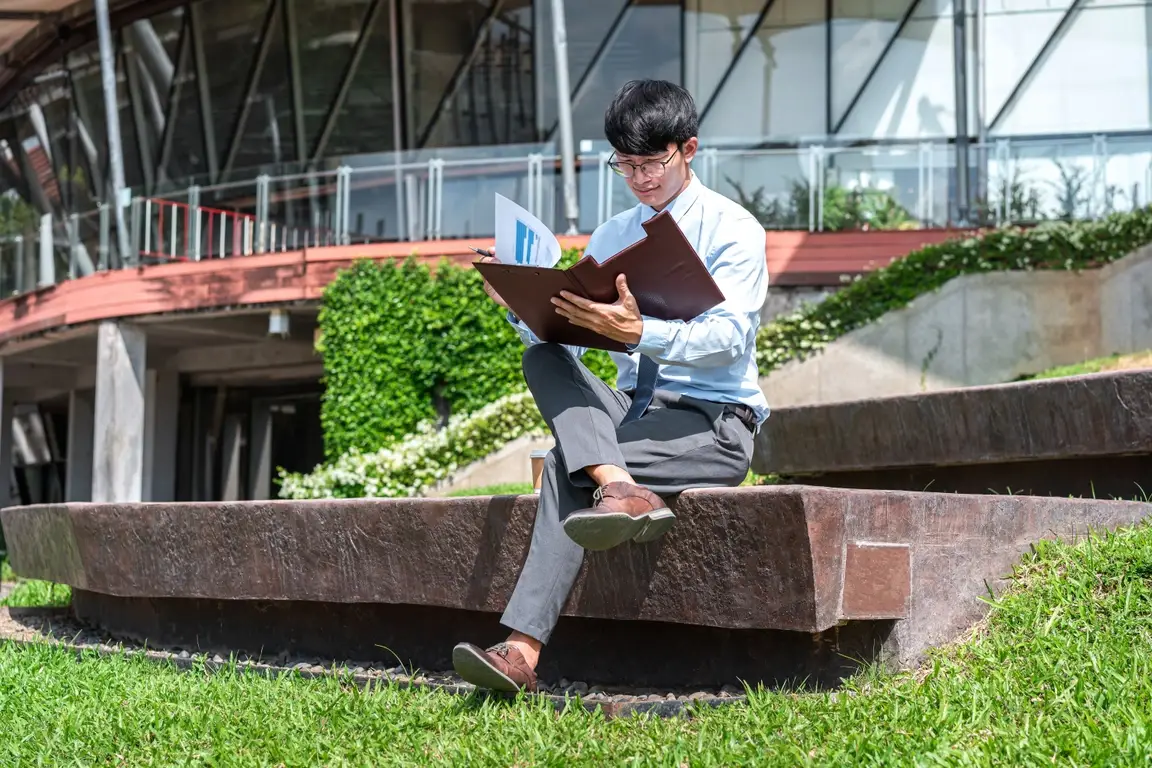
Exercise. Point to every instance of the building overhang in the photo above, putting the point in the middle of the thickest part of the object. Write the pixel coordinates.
(36, 33)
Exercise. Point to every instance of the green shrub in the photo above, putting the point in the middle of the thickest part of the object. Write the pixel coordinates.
(1054, 246)
(413, 465)
(403, 344)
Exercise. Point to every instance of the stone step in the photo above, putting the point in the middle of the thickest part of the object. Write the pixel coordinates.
(1081, 436)
(760, 583)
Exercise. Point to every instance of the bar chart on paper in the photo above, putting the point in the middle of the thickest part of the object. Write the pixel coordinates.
(521, 238)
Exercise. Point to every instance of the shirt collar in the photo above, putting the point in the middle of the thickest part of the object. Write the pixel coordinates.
(681, 205)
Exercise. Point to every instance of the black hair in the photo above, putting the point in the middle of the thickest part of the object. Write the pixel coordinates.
(645, 116)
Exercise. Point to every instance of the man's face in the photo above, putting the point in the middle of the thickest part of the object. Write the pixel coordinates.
(656, 179)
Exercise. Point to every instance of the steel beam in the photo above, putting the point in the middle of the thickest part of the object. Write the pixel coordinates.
(112, 121)
(292, 44)
(174, 94)
(564, 112)
(960, 86)
(204, 90)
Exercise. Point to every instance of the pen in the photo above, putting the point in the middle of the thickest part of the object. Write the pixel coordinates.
(479, 251)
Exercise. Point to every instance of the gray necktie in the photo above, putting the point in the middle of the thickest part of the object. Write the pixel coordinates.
(645, 386)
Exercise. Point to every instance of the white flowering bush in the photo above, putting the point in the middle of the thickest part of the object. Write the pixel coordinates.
(419, 461)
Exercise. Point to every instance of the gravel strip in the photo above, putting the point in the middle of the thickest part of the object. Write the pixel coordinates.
(57, 626)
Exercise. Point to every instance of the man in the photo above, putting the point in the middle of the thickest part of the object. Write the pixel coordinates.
(687, 401)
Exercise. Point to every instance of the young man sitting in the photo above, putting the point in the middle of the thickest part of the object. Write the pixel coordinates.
(686, 402)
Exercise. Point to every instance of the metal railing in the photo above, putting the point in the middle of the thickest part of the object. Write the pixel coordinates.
(438, 194)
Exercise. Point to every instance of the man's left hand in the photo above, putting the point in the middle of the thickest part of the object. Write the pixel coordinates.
(619, 321)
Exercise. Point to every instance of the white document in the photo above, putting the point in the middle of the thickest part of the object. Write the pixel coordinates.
(521, 238)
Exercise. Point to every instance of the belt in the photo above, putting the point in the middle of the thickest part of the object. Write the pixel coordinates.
(746, 415)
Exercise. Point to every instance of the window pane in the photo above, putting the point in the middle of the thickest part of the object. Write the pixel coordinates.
(494, 100)
(438, 39)
(365, 121)
(1095, 79)
(713, 33)
(912, 93)
(860, 30)
(326, 32)
(647, 46)
(230, 35)
(777, 88)
(586, 30)
(269, 137)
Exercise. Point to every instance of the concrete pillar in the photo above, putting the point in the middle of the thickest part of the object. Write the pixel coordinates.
(118, 452)
(161, 420)
(232, 445)
(81, 436)
(7, 411)
(260, 452)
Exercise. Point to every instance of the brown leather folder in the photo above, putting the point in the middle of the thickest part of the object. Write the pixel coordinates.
(667, 277)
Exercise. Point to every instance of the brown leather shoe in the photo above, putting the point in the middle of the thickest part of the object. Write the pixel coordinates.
(500, 668)
(621, 511)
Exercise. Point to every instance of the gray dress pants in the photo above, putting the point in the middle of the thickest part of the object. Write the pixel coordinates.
(679, 443)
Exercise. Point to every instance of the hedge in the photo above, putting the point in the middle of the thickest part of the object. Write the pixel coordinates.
(403, 345)
(415, 464)
(1053, 246)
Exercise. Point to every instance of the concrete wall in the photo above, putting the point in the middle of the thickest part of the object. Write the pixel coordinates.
(980, 329)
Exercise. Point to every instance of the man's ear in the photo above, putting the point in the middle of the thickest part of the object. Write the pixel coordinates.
(690, 147)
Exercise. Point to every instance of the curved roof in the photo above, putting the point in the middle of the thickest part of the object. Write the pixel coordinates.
(35, 33)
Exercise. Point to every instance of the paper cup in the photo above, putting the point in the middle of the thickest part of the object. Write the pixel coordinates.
(537, 469)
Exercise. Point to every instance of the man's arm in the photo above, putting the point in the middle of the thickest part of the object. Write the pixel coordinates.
(524, 332)
(723, 334)
(717, 337)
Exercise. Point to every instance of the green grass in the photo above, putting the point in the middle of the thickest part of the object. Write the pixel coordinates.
(1117, 362)
(1059, 675)
(502, 489)
(31, 592)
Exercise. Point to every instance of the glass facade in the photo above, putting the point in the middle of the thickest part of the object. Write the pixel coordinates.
(216, 93)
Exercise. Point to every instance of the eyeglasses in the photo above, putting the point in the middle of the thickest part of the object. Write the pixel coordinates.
(653, 169)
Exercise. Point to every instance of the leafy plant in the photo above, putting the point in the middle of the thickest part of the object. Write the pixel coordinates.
(1052, 245)
(16, 216)
(842, 209)
(413, 465)
(403, 345)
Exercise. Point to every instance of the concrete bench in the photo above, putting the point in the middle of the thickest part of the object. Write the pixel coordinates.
(766, 584)
(1087, 436)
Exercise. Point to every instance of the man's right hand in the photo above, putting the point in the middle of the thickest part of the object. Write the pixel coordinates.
(488, 289)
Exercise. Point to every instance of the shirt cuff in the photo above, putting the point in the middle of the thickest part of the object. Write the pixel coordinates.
(654, 337)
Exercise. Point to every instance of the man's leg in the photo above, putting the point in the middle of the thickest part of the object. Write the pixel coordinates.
(583, 414)
(678, 444)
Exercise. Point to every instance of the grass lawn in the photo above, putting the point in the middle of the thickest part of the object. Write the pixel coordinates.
(1060, 674)
(503, 489)
(1126, 362)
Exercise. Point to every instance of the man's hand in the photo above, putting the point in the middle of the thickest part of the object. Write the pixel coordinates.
(620, 320)
(488, 289)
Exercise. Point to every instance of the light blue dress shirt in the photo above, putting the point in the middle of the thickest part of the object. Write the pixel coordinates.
(713, 356)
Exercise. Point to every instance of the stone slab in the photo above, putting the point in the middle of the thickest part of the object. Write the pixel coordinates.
(985, 437)
(797, 560)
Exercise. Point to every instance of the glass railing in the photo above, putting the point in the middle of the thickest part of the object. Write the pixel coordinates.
(449, 193)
